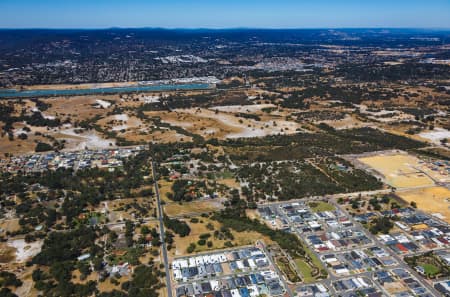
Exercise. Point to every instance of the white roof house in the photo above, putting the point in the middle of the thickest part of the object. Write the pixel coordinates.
(314, 224)
(184, 263)
(177, 274)
(362, 282)
(192, 262)
(235, 293)
(342, 270)
(176, 264)
(321, 288)
(215, 285)
(256, 253)
(199, 260)
(251, 263)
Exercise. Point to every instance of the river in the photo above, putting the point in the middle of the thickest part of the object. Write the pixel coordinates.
(13, 93)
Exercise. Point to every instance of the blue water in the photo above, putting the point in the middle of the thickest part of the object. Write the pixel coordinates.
(12, 93)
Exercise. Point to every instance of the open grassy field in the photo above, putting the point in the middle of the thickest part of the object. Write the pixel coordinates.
(306, 270)
(431, 269)
(399, 170)
(164, 188)
(433, 200)
(320, 206)
(78, 107)
(229, 182)
(186, 208)
(314, 259)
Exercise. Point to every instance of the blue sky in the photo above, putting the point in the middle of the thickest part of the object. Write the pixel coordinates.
(224, 14)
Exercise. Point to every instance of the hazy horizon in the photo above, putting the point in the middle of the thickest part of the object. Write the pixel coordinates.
(202, 14)
(227, 28)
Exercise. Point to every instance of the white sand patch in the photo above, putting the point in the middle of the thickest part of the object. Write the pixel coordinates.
(17, 132)
(88, 139)
(211, 131)
(121, 117)
(436, 135)
(120, 127)
(243, 108)
(151, 99)
(25, 251)
(48, 117)
(103, 103)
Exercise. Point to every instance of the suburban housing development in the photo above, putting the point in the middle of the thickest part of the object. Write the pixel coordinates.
(225, 163)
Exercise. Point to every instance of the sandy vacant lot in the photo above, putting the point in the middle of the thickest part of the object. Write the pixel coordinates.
(433, 200)
(399, 170)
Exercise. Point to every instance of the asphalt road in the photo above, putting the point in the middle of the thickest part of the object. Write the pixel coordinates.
(162, 234)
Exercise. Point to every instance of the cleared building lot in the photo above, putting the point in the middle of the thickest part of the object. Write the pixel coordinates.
(433, 200)
(399, 170)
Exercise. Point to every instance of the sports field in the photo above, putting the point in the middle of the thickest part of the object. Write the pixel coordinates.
(399, 170)
(432, 200)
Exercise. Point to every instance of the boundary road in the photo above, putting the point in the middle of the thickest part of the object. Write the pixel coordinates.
(162, 233)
